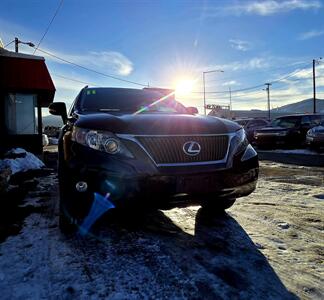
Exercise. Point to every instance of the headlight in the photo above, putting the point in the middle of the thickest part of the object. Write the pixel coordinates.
(239, 142)
(100, 140)
(249, 153)
(310, 132)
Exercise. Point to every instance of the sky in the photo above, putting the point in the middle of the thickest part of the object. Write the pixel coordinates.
(162, 43)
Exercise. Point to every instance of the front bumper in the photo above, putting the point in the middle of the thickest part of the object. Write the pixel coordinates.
(134, 182)
(271, 140)
(315, 140)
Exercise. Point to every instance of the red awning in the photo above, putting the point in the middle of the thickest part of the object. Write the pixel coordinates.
(29, 75)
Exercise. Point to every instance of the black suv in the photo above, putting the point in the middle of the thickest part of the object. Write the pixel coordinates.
(250, 125)
(287, 131)
(146, 149)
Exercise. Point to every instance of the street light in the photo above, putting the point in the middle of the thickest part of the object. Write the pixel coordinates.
(17, 41)
(206, 72)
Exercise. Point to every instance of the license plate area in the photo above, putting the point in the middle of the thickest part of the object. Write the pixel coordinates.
(196, 184)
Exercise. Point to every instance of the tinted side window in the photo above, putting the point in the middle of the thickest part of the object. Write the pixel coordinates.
(306, 120)
(287, 122)
(259, 123)
(315, 120)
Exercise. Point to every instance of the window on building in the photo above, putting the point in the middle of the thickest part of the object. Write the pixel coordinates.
(20, 116)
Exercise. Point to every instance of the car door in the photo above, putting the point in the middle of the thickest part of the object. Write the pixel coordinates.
(305, 125)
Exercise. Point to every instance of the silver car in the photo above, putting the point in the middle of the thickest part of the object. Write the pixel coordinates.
(315, 136)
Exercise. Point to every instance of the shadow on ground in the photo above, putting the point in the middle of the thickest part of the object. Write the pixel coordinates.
(152, 256)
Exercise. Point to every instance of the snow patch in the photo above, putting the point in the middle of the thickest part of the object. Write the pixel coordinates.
(294, 151)
(21, 164)
(53, 141)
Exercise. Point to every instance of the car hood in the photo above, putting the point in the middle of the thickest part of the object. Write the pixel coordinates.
(272, 129)
(152, 124)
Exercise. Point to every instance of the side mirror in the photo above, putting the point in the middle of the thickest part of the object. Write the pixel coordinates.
(192, 110)
(58, 109)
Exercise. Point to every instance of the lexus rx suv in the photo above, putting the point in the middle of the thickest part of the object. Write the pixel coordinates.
(145, 149)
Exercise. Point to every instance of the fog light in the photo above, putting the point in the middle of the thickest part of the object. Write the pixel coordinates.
(111, 146)
(81, 186)
(249, 153)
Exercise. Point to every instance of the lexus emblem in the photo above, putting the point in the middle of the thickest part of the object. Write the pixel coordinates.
(191, 148)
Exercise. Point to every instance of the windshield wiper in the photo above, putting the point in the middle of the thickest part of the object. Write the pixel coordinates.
(159, 111)
(109, 109)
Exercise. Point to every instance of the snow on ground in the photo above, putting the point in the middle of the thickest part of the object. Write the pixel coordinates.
(21, 164)
(268, 246)
(294, 151)
(53, 141)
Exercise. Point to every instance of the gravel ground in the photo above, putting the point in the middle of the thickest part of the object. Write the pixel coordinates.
(269, 245)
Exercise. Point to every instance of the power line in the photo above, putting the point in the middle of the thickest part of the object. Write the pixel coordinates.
(261, 72)
(75, 80)
(49, 25)
(233, 91)
(9, 44)
(91, 70)
(235, 100)
(288, 76)
(257, 86)
(254, 93)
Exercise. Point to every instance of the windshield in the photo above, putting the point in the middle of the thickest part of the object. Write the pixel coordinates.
(286, 122)
(241, 122)
(129, 100)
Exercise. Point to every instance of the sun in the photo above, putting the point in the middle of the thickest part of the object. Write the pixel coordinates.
(184, 87)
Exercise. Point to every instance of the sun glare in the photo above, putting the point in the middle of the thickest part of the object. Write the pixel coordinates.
(184, 87)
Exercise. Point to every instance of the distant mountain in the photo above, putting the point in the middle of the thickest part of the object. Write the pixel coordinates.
(305, 106)
(52, 121)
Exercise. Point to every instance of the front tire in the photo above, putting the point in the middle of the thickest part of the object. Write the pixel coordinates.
(217, 206)
(66, 220)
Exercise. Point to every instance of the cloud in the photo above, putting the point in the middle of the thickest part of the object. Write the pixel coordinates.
(307, 73)
(240, 45)
(251, 64)
(231, 83)
(310, 34)
(105, 61)
(263, 8)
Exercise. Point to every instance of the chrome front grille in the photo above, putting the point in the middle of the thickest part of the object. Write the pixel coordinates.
(166, 150)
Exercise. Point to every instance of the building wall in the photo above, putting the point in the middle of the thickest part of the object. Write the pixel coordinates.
(29, 139)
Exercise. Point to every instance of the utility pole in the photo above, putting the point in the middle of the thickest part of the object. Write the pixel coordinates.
(268, 94)
(314, 88)
(204, 93)
(16, 44)
(230, 97)
(314, 84)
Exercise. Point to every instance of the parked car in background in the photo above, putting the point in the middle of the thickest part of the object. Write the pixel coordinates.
(287, 131)
(315, 136)
(250, 125)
